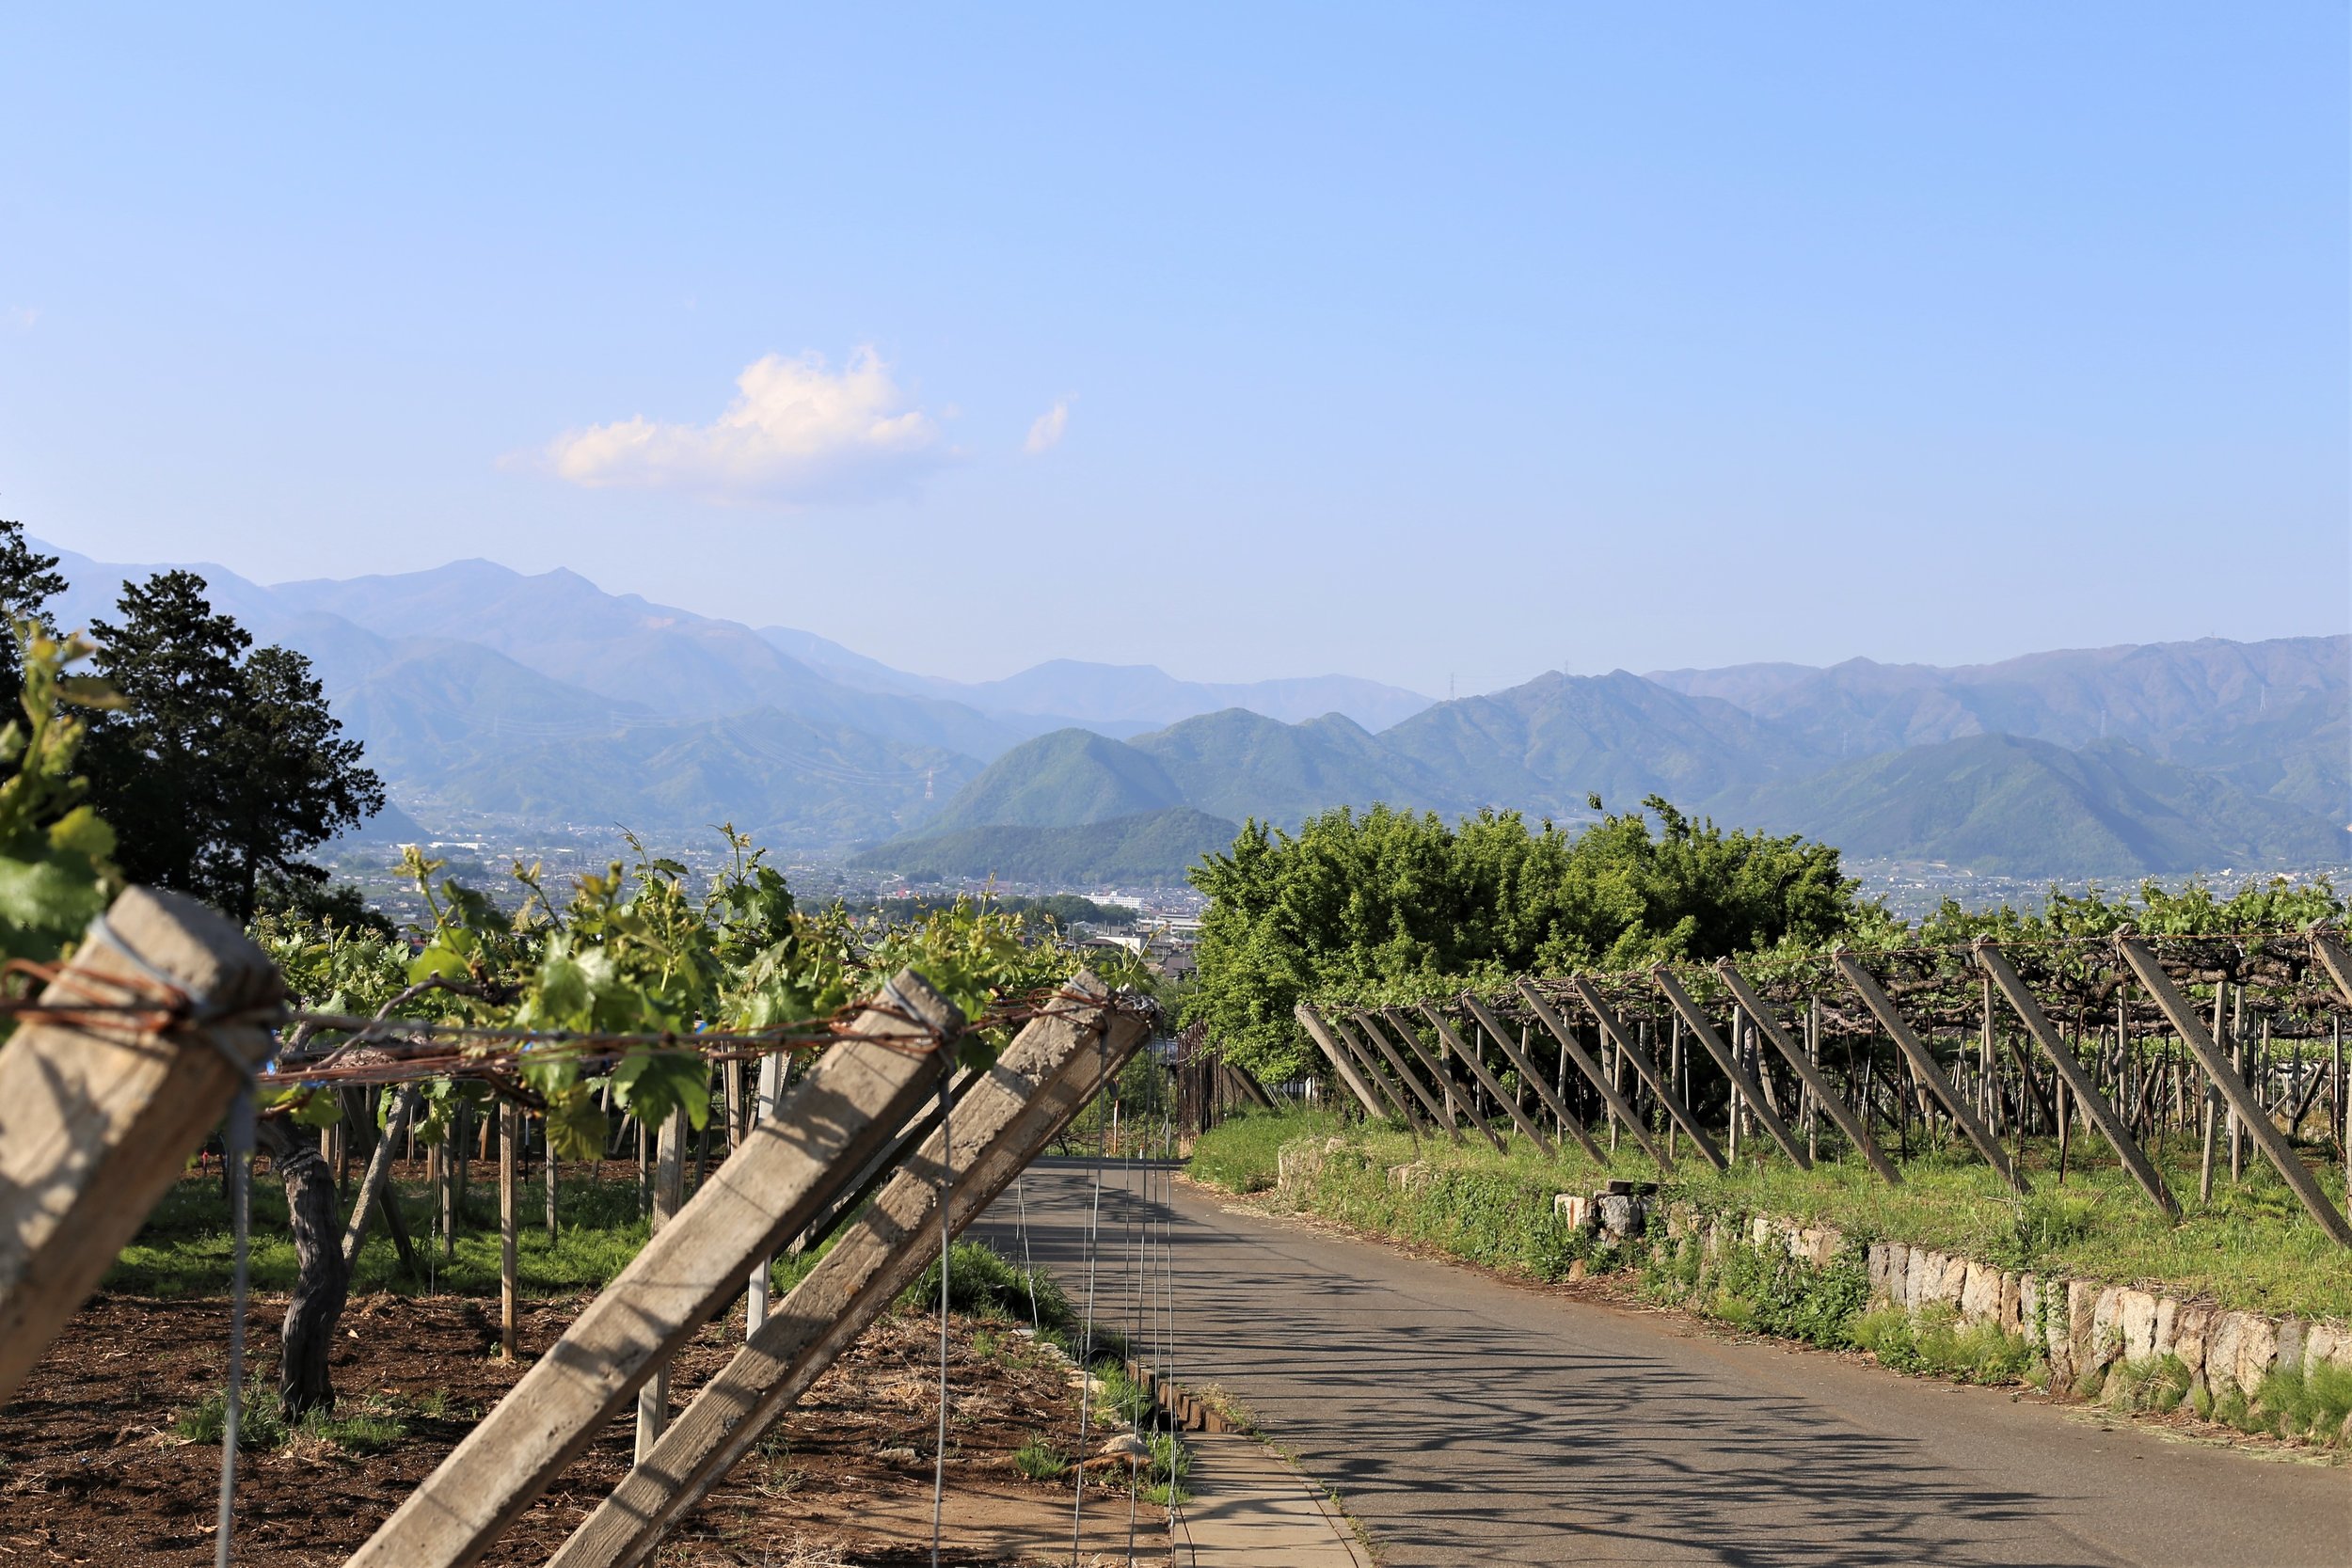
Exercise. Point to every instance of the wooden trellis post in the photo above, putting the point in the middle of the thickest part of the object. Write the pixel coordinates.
(1053, 1066)
(1486, 1081)
(1404, 1074)
(1437, 1074)
(1805, 1060)
(1341, 1061)
(1922, 1062)
(2200, 1044)
(1375, 1073)
(99, 1114)
(1392, 1084)
(2002, 977)
(1552, 1102)
(1572, 1050)
(1728, 1061)
(858, 1093)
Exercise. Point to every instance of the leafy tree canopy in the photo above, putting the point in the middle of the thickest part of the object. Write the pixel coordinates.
(29, 580)
(1394, 905)
(224, 766)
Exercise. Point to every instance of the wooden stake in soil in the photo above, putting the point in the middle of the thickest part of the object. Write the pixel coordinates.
(99, 1117)
(669, 1190)
(510, 1129)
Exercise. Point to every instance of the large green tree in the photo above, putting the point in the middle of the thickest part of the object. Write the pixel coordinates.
(224, 767)
(29, 580)
(1392, 904)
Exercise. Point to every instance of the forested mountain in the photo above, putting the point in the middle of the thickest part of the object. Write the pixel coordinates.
(479, 689)
(2220, 756)
(2009, 806)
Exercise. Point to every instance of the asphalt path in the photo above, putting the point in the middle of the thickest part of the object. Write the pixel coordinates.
(1468, 1420)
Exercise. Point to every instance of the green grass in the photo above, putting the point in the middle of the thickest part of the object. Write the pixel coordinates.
(2252, 1248)
(1040, 1459)
(983, 1284)
(185, 1247)
(1238, 1154)
(357, 1427)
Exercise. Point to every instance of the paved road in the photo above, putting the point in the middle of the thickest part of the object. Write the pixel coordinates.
(1469, 1421)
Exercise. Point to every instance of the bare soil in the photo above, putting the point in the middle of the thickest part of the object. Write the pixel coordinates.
(90, 1471)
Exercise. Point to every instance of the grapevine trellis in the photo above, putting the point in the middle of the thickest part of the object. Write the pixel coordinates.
(167, 1019)
(2230, 1042)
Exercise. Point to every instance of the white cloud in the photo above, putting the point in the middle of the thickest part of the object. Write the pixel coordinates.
(796, 431)
(22, 317)
(1046, 432)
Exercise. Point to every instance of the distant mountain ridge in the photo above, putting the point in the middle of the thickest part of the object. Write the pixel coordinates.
(478, 690)
(2227, 748)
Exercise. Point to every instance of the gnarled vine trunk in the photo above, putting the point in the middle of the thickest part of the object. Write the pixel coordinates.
(322, 1279)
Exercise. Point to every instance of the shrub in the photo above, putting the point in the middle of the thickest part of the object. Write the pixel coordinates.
(1934, 1342)
(986, 1284)
(1041, 1460)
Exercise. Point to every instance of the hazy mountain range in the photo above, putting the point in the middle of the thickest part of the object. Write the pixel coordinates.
(478, 690)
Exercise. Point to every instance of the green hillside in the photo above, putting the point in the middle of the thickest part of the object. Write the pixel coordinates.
(1237, 764)
(1060, 779)
(2008, 806)
(1150, 847)
(1544, 746)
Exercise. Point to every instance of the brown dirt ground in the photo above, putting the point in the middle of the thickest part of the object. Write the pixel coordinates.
(91, 1473)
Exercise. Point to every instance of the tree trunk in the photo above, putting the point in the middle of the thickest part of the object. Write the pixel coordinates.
(321, 1282)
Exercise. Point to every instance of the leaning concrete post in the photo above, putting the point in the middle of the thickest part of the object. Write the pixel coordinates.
(1487, 1079)
(858, 1093)
(1567, 1120)
(98, 1114)
(1053, 1068)
(1922, 1061)
(1439, 1109)
(2200, 1041)
(1341, 1061)
(1802, 1059)
(2003, 979)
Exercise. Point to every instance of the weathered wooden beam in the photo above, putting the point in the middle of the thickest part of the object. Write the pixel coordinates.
(2200, 1041)
(1392, 1084)
(1249, 1085)
(2328, 945)
(856, 1094)
(1435, 1063)
(1923, 1063)
(1437, 1099)
(1676, 1105)
(1056, 1065)
(1519, 1118)
(1824, 1095)
(1375, 1073)
(1406, 1076)
(99, 1114)
(1341, 1062)
(1575, 1051)
(1759, 1104)
(1995, 964)
(1553, 1102)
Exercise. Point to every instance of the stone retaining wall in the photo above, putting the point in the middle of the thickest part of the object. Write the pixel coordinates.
(2080, 1324)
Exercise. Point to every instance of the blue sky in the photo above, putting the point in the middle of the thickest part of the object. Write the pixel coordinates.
(1419, 343)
